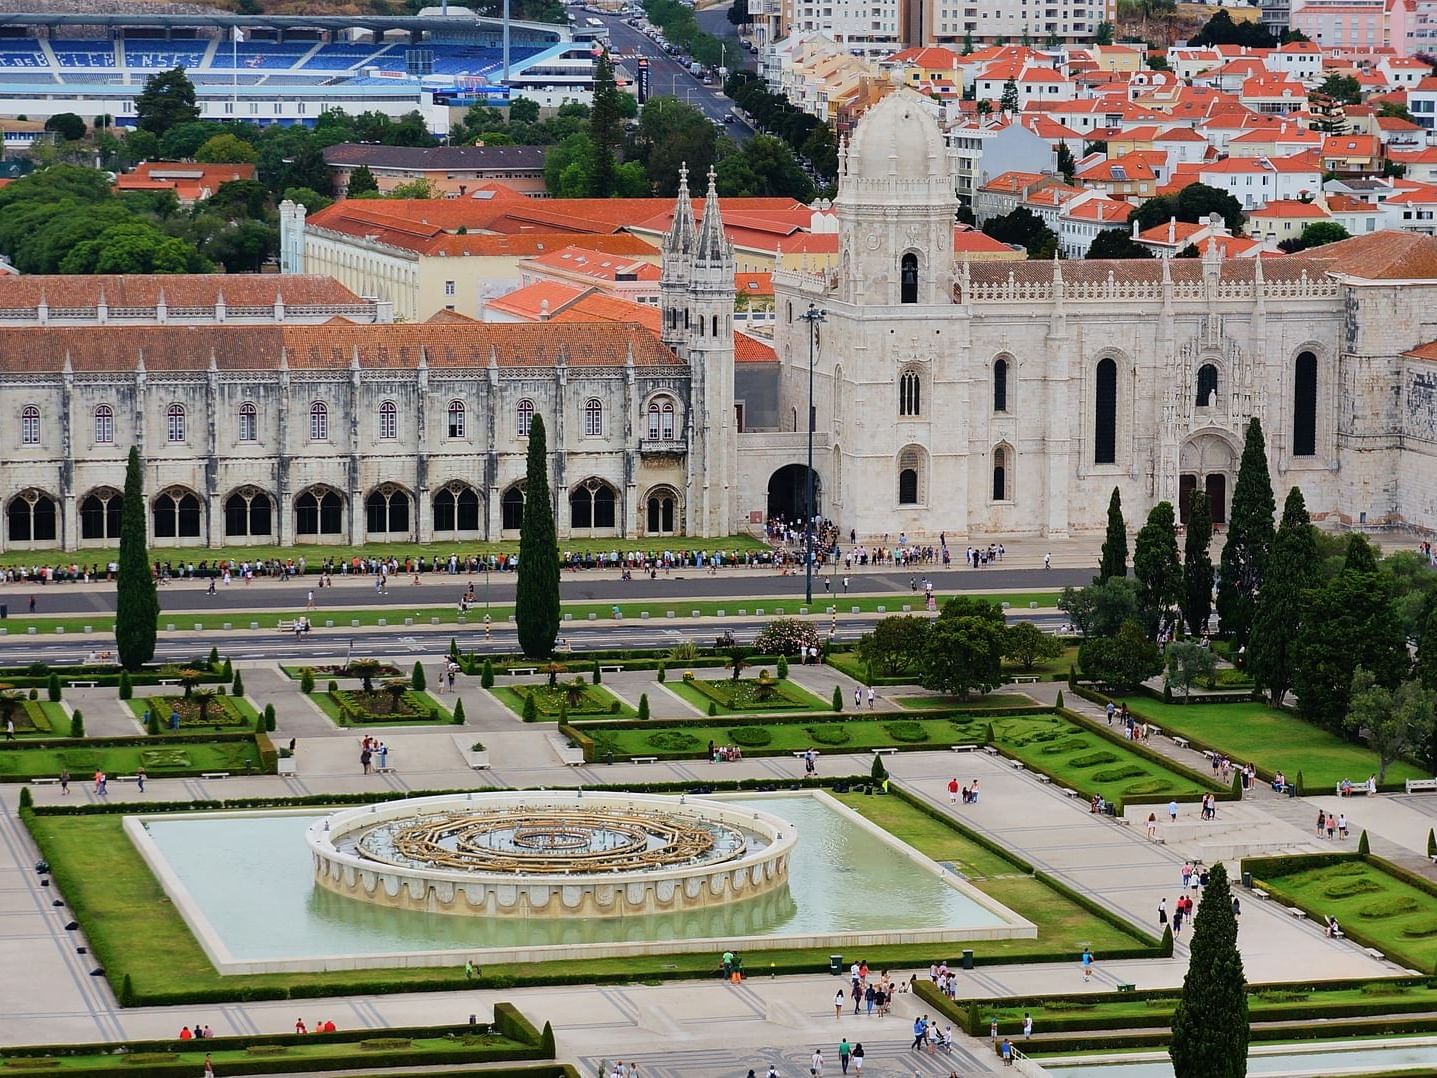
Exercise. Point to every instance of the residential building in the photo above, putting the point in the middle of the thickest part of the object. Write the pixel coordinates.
(450, 170)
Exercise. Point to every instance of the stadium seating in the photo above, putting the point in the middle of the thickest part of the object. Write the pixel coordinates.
(162, 55)
(345, 56)
(260, 55)
(20, 52)
(71, 52)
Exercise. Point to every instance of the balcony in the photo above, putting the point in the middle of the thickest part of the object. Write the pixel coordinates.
(662, 447)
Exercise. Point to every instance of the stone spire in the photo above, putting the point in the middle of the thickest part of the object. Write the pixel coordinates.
(713, 244)
(680, 240)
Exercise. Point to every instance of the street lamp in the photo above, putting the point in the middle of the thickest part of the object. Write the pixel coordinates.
(813, 316)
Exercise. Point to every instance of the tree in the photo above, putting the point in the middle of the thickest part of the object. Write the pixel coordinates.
(1028, 645)
(1157, 568)
(1348, 622)
(1394, 721)
(1066, 165)
(1250, 534)
(226, 150)
(1277, 621)
(1221, 30)
(1210, 1024)
(671, 134)
(417, 188)
(1315, 235)
(1426, 668)
(1198, 201)
(895, 645)
(1342, 88)
(361, 182)
(1103, 35)
(604, 129)
(1100, 609)
(67, 126)
(536, 600)
(167, 100)
(963, 654)
(308, 197)
(1009, 101)
(764, 167)
(1115, 544)
(1123, 661)
(1023, 228)
(416, 677)
(137, 606)
(1188, 663)
(1117, 243)
(1197, 564)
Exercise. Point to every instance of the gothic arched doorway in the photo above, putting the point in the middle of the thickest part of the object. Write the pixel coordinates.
(788, 493)
(1207, 462)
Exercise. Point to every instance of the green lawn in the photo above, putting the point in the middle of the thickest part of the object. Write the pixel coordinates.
(326, 703)
(972, 703)
(1045, 670)
(227, 714)
(1088, 762)
(82, 761)
(1274, 740)
(1383, 911)
(690, 740)
(41, 718)
(596, 703)
(1063, 925)
(740, 699)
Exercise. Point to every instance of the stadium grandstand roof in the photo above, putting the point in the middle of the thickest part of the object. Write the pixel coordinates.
(227, 20)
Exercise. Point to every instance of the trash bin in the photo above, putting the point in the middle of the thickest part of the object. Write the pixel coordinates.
(835, 964)
(4, 611)
(1247, 880)
(967, 959)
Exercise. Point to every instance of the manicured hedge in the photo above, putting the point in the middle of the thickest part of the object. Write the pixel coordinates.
(1137, 748)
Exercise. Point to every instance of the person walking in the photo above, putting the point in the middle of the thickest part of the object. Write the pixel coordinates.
(1027, 1026)
(1087, 964)
(1173, 811)
(953, 790)
(815, 1065)
(870, 698)
(1162, 911)
(858, 1058)
(857, 698)
(838, 1000)
(845, 1052)
(1342, 825)
(140, 779)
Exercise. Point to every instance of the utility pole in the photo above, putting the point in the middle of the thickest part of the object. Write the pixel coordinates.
(813, 316)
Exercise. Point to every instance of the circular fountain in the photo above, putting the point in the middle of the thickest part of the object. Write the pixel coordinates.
(551, 854)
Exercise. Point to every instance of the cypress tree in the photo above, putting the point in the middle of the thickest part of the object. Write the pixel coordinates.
(1115, 546)
(77, 724)
(536, 601)
(1272, 650)
(459, 712)
(52, 688)
(1197, 564)
(1426, 669)
(1210, 1025)
(1250, 535)
(531, 709)
(137, 606)
(1157, 568)
(605, 132)
(643, 705)
(237, 688)
(486, 676)
(838, 698)
(416, 678)
(127, 688)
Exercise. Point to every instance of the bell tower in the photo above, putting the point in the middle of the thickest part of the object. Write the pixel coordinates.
(710, 349)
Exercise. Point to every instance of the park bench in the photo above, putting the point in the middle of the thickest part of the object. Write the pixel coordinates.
(1420, 785)
(643, 759)
(1293, 911)
(385, 770)
(1373, 952)
(1211, 755)
(1127, 988)
(45, 782)
(1026, 679)
(611, 669)
(83, 684)
(522, 671)
(799, 754)
(1355, 790)
(964, 748)
(884, 752)
(285, 625)
(1180, 742)
(215, 775)
(168, 681)
(1045, 779)
(1069, 793)
(1016, 765)
(127, 778)
(1154, 731)
(1258, 892)
(991, 750)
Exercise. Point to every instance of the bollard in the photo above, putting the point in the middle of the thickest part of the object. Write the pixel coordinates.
(254, 625)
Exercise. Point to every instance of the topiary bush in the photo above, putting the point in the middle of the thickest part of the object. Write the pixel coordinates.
(416, 679)
(27, 800)
(77, 724)
(237, 688)
(673, 741)
(531, 710)
(598, 674)
(152, 722)
(459, 712)
(644, 706)
(909, 731)
(661, 674)
(713, 707)
(269, 718)
(127, 689)
(486, 676)
(829, 733)
(333, 686)
(1362, 848)
(1093, 759)
(306, 680)
(1060, 698)
(52, 688)
(750, 737)
(878, 773)
(782, 668)
(837, 698)
(214, 659)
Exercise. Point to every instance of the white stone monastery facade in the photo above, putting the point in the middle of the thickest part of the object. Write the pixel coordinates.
(982, 400)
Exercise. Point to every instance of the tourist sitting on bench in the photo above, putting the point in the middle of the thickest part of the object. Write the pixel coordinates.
(1333, 930)
(1279, 783)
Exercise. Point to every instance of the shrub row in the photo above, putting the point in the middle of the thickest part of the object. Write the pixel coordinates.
(354, 715)
(1137, 748)
(245, 1041)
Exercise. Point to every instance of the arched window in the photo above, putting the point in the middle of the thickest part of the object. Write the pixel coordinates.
(593, 417)
(104, 425)
(1000, 475)
(1000, 385)
(386, 510)
(388, 421)
(1304, 406)
(908, 291)
(100, 514)
(177, 515)
(319, 422)
(175, 424)
(525, 415)
(30, 425)
(1105, 414)
(456, 509)
(456, 419)
(660, 511)
(32, 517)
(661, 418)
(511, 509)
(910, 394)
(1206, 385)
(910, 475)
(591, 505)
(248, 422)
(319, 512)
(248, 512)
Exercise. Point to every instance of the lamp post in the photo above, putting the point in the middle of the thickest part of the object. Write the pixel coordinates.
(813, 316)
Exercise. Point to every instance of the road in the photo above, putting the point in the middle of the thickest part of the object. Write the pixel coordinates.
(385, 644)
(186, 596)
(668, 77)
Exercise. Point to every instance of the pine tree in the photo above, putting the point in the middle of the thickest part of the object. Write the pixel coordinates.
(416, 677)
(459, 712)
(604, 130)
(1275, 626)
(1250, 535)
(536, 601)
(1157, 568)
(486, 676)
(1115, 546)
(361, 182)
(1197, 564)
(238, 685)
(1426, 669)
(1009, 101)
(137, 606)
(644, 706)
(1210, 1025)
(838, 698)
(127, 688)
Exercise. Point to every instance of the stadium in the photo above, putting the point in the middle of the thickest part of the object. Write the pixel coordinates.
(287, 69)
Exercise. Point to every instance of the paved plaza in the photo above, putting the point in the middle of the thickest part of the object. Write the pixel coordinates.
(687, 1028)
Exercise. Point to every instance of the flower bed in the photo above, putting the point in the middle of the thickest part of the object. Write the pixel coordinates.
(224, 712)
(355, 707)
(336, 670)
(550, 701)
(753, 694)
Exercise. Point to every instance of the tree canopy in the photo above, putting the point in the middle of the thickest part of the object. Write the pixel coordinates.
(167, 100)
(1117, 243)
(1222, 30)
(1022, 227)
